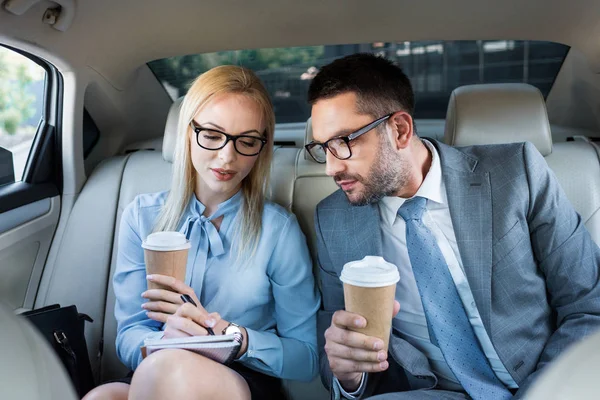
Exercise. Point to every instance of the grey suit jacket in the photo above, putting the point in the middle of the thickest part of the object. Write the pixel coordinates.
(531, 264)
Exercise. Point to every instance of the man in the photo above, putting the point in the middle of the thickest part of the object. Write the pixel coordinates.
(516, 272)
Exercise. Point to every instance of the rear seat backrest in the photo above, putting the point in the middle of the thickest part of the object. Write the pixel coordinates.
(145, 172)
(506, 113)
(498, 113)
(577, 169)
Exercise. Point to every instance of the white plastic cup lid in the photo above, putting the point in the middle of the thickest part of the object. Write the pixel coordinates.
(371, 271)
(166, 241)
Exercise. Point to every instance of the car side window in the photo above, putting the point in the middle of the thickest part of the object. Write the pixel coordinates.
(22, 94)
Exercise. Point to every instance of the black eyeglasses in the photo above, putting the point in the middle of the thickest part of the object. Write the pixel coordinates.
(340, 146)
(212, 139)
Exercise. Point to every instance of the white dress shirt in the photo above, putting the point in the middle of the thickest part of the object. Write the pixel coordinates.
(410, 321)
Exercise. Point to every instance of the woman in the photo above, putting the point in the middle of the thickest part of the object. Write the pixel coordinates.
(247, 257)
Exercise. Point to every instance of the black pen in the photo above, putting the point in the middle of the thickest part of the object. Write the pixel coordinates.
(187, 299)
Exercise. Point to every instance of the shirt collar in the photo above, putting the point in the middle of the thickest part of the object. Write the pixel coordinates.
(196, 208)
(432, 188)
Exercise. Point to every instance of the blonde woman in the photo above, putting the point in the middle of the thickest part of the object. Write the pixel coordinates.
(248, 266)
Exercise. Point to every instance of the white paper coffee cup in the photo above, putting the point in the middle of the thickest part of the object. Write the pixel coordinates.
(166, 241)
(369, 291)
(166, 253)
(371, 271)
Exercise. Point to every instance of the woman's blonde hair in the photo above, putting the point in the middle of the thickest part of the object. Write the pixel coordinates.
(227, 79)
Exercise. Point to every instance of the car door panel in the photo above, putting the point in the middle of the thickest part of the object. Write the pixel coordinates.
(23, 249)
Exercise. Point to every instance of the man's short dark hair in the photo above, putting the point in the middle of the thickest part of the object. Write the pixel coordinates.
(380, 85)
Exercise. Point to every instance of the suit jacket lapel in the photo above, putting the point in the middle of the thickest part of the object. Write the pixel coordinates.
(351, 232)
(366, 240)
(470, 203)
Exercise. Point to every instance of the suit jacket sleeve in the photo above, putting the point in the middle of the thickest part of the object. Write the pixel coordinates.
(566, 255)
(331, 294)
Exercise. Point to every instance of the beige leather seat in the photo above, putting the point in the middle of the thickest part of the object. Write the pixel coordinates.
(572, 376)
(29, 369)
(506, 113)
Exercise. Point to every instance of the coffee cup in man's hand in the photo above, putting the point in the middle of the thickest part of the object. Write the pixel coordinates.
(369, 291)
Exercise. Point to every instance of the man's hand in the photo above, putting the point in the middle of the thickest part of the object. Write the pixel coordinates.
(162, 302)
(189, 321)
(352, 353)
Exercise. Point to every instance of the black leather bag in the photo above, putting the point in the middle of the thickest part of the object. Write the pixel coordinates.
(63, 328)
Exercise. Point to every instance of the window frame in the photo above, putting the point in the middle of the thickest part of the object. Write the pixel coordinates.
(42, 175)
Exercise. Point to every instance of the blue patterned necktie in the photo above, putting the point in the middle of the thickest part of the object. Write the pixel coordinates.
(444, 310)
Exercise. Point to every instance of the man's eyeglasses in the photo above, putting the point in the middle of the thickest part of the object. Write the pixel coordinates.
(212, 139)
(340, 146)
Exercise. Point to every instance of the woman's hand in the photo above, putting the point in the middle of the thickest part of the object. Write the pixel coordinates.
(163, 302)
(189, 321)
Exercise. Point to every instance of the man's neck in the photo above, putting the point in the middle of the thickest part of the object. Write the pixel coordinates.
(420, 163)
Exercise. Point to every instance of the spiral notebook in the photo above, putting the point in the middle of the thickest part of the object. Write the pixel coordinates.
(220, 348)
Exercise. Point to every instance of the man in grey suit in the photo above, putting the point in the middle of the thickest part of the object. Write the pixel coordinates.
(485, 240)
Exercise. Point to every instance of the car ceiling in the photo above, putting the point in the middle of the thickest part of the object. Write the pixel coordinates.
(116, 37)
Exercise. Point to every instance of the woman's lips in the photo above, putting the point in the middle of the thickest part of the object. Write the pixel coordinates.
(223, 174)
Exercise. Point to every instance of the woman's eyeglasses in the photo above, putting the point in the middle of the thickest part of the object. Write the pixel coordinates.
(212, 139)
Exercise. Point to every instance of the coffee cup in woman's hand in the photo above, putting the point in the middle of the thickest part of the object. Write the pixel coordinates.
(165, 253)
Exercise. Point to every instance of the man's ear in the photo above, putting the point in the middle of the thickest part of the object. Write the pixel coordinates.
(401, 124)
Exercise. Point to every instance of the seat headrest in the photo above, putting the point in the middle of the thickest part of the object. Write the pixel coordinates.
(170, 139)
(498, 113)
(308, 137)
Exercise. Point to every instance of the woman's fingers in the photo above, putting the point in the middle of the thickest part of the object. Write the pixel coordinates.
(198, 315)
(176, 324)
(161, 306)
(175, 284)
(163, 303)
(174, 333)
(213, 319)
(158, 316)
(162, 295)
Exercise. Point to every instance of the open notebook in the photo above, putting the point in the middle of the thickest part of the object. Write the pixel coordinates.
(220, 348)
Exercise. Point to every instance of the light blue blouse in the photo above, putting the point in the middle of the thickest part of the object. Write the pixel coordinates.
(273, 295)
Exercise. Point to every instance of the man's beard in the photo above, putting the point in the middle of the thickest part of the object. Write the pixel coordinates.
(387, 175)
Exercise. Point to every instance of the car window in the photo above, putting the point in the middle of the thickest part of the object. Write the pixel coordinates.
(435, 68)
(22, 94)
